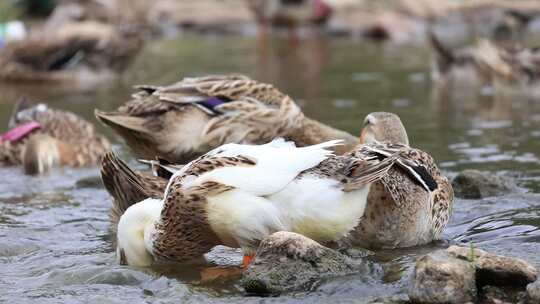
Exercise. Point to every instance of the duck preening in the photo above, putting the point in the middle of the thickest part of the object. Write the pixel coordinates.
(184, 120)
(41, 138)
(400, 211)
(236, 195)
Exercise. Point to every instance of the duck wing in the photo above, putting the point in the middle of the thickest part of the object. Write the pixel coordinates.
(127, 186)
(256, 169)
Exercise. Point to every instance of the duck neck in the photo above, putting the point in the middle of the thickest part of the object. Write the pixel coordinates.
(134, 233)
(311, 132)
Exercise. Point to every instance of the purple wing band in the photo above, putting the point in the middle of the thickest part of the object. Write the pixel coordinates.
(212, 102)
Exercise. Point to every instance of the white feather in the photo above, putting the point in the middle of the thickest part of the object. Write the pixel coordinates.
(277, 164)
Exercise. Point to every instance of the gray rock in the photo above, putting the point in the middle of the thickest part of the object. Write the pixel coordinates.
(440, 278)
(502, 295)
(494, 269)
(453, 276)
(474, 184)
(533, 292)
(287, 261)
(396, 299)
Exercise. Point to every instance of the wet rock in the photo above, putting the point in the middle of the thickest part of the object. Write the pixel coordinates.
(494, 269)
(533, 292)
(474, 184)
(396, 299)
(287, 261)
(89, 182)
(441, 278)
(498, 295)
(454, 275)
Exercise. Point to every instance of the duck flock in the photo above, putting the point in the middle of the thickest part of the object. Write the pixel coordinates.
(232, 160)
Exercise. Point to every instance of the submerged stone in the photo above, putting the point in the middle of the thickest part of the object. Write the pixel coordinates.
(462, 274)
(496, 270)
(533, 292)
(441, 278)
(287, 261)
(474, 184)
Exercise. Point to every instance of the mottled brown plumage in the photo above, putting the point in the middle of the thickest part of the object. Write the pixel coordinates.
(183, 233)
(485, 62)
(127, 186)
(400, 212)
(67, 138)
(75, 53)
(173, 123)
(191, 219)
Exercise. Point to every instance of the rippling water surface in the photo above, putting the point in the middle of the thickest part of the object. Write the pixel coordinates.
(54, 239)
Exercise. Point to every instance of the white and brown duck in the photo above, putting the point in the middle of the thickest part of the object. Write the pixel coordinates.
(236, 195)
(410, 204)
(41, 138)
(189, 118)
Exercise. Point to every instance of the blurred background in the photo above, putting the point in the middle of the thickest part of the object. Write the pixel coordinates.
(461, 74)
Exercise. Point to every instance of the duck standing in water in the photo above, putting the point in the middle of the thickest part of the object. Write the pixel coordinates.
(289, 13)
(400, 211)
(41, 138)
(236, 195)
(184, 120)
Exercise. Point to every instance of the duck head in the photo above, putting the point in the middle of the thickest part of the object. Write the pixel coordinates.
(383, 127)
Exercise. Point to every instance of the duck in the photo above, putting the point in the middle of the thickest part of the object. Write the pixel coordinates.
(485, 63)
(237, 194)
(400, 212)
(41, 138)
(79, 54)
(290, 14)
(184, 120)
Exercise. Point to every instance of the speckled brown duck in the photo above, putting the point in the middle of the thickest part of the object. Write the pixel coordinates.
(485, 63)
(400, 210)
(78, 53)
(41, 138)
(189, 118)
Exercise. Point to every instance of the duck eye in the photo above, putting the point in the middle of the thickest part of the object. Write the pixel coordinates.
(367, 121)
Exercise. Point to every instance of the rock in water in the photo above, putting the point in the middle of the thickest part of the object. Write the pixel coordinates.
(496, 270)
(474, 184)
(287, 261)
(533, 292)
(441, 278)
(454, 275)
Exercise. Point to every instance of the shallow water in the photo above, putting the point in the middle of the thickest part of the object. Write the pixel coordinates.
(54, 239)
